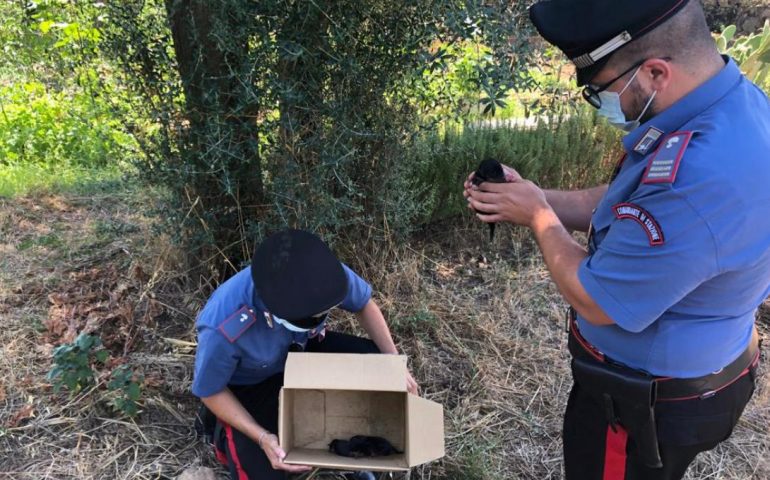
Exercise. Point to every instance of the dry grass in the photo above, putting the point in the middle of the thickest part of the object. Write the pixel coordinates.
(92, 264)
(482, 324)
(484, 329)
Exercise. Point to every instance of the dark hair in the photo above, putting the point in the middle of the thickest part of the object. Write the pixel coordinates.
(685, 38)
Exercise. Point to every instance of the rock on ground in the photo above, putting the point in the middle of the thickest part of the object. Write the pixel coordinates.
(197, 473)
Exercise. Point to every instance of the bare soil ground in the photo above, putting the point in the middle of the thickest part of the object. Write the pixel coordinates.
(482, 325)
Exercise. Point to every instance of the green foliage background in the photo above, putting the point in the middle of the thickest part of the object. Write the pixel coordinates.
(355, 119)
(751, 52)
(299, 113)
(61, 117)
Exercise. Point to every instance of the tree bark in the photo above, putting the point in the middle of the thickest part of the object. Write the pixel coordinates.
(211, 49)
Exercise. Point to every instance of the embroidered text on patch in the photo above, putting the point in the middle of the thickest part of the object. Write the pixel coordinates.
(237, 323)
(664, 163)
(643, 218)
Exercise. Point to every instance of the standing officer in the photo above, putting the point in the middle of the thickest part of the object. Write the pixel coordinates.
(279, 304)
(664, 299)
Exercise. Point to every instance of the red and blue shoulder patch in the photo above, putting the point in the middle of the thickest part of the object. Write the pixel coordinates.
(237, 323)
(643, 218)
(664, 163)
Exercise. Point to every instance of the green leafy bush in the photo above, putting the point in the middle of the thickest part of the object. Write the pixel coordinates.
(64, 121)
(125, 388)
(46, 127)
(456, 83)
(51, 41)
(561, 151)
(74, 363)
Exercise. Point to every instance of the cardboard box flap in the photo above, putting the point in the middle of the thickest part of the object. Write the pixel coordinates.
(425, 423)
(346, 371)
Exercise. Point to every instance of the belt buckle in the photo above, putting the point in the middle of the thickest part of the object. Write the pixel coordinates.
(569, 316)
(708, 394)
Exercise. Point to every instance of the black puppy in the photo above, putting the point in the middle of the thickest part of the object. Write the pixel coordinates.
(362, 446)
(490, 170)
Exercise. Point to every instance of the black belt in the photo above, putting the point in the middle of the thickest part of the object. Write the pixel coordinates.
(676, 389)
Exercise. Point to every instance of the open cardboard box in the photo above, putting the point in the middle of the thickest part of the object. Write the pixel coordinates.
(328, 396)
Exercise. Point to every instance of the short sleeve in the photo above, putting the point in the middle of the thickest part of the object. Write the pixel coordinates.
(637, 273)
(359, 292)
(215, 362)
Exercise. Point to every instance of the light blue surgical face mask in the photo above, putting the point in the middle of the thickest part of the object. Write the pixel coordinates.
(613, 112)
(289, 326)
(293, 328)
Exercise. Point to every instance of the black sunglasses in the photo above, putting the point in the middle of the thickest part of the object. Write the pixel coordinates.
(591, 93)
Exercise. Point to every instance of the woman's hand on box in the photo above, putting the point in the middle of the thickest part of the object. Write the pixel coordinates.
(274, 452)
(411, 384)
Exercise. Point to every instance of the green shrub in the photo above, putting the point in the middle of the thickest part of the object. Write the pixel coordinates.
(125, 388)
(556, 152)
(47, 127)
(64, 120)
(74, 363)
(77, 364)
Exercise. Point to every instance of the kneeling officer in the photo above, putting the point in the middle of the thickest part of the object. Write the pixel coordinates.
(280, 303)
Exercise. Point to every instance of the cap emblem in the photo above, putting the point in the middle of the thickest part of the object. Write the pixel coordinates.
(588, 59)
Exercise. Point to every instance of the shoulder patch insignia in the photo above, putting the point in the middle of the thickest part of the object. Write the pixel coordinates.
(643, 218)
(664, 163)
(237, 323)
(648, 140)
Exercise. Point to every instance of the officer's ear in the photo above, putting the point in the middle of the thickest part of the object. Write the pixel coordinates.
(659, 72)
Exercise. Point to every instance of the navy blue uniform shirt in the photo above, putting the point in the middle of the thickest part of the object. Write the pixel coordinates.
(680, 254)
(237, 346)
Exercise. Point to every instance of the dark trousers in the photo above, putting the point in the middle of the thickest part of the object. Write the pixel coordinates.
(243, 456)
(685, 428)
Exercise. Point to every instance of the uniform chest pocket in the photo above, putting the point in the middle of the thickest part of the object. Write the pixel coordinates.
(264, 350)
(253, 364)
(265, 357)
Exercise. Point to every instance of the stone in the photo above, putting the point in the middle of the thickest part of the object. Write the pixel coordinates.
(198, 473)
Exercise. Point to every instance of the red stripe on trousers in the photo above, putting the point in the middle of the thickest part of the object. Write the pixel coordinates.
(221, 456)
(233, 454)
(615, 453)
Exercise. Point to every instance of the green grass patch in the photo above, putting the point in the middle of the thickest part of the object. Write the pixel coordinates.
(61, 140)
(50, 240)
(422, 320)
(473, 463)
(27, 178)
